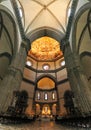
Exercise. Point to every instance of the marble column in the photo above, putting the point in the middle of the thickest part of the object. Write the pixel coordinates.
(78, 81)
(13, 79)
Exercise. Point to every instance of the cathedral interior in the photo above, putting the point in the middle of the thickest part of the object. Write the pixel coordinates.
(45, 59)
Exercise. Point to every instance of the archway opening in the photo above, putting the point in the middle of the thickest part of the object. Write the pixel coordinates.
(8, 38)
(46, 98)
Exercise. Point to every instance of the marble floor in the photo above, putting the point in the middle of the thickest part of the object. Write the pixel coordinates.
(39, 125)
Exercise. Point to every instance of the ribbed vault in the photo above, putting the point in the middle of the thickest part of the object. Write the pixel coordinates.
(49, 13)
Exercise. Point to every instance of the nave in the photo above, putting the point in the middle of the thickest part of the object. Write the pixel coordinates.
(45, 64)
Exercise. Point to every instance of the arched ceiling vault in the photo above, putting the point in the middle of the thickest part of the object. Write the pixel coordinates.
(49, 13)
(44, 18)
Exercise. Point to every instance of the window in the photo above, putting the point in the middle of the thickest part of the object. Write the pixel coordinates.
(53, 95)
(62, 63)
(29, 63)
(46, 96)
(46, 67)
(38, 96)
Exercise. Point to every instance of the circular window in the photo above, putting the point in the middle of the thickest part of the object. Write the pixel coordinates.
(62, 63)
(29, 63)
(46, 67)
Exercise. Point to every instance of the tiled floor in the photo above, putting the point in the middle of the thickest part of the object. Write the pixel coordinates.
(38, 125)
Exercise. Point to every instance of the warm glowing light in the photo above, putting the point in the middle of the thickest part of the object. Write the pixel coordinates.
(46, 110)
(46, 83)
(53, 96)
(46, 96)
(45, 48)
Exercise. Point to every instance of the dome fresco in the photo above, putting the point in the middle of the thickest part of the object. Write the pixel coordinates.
(45, 48)
(46, 84)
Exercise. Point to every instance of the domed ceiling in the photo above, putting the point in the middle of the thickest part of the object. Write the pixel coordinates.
(46, 84)
(45, 48)
(45, 13)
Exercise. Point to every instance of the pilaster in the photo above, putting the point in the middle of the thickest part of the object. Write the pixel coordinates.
(78, 81)
(13, 79)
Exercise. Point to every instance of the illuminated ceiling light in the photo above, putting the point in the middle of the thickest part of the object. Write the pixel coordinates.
(62, 63)
(29, 63)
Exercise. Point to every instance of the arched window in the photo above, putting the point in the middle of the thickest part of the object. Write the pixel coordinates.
(46, 96)
(38, 96)
(53, 95)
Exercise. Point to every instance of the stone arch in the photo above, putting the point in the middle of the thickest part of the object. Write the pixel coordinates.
(76, 73)
(45, 31)
(81, 35)
(76, 38)
(8, 38)
(11, 29)
(48, 76)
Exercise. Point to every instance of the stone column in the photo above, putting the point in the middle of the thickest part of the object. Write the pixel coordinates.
(13, 79)
(78, 81)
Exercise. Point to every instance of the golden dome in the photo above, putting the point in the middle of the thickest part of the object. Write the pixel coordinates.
(45, 48)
